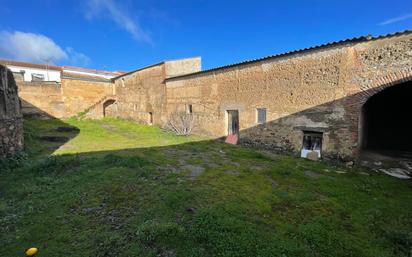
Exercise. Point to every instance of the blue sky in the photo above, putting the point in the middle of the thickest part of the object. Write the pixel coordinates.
(125, 35)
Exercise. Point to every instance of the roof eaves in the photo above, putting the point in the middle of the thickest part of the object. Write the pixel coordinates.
(299, 51)
(86, 70)
(140, 69)
(85, 78)
(30, 65)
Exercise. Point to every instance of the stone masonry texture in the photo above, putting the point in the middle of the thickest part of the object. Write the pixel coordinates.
(63, 100)
(11, 122)
(322, 89)
(143, 92)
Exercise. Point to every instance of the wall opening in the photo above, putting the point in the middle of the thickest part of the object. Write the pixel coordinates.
(232, 122)
(386, 121)
(260, 115)
(189, 108)
(312, 144)
(150, 118)
(107, 107)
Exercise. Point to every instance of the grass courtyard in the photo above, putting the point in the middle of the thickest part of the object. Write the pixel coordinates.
(115, 188)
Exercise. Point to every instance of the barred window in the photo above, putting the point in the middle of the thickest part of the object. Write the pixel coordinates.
(312, 141)
(37, 77)
(261, 115)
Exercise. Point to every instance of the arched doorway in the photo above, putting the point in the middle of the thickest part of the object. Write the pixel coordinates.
(108, 106)
(386, 126)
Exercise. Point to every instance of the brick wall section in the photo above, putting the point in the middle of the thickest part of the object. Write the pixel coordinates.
(67, 99)
(379, 64)
(11, 122)
(319, 90)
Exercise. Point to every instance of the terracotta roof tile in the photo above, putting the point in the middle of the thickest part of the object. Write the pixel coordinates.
(30, 65)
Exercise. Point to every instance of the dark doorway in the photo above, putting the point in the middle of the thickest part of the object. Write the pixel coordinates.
(150, 118)
(108, 106)
(387, 120)
(232, 122)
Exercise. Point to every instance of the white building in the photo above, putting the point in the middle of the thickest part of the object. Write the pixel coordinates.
(33, 72)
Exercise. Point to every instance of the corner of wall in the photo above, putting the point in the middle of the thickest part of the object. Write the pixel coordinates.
(183, 66)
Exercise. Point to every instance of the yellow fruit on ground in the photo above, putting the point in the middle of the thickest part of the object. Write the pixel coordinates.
(32, 251)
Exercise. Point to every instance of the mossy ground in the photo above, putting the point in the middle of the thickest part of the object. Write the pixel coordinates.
(116, 188)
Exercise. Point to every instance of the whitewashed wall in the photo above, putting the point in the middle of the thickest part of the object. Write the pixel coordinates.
(49, 75)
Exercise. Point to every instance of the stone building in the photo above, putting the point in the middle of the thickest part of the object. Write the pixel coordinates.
(335, 99)
(59, 91)
(11, 122)
(141, 94)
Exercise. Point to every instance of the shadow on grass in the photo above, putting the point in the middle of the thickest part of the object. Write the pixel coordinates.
(204, 198)
(201, 198)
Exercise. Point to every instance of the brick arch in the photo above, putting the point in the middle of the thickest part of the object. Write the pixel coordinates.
(354, 103)
(379, 84)
(106, 103)
(376, 86)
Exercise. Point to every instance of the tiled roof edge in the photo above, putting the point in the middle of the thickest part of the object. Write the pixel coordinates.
(281, 55)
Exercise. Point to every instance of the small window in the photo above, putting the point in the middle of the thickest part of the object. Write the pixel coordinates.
(37, 77)
(150, 118)
(189, 108)
(18, 76)
(312, 142)
(261, 115)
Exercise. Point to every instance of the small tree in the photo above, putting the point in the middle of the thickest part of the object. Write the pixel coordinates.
(181, 123)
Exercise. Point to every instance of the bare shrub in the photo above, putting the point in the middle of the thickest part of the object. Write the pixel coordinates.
(181, 123)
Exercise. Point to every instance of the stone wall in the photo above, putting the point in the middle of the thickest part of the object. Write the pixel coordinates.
(141, 95)
(67, 99)
(79, 95)
(105, 107)
(11, 122)
(137, 94)
(320, 90)
(41, 98)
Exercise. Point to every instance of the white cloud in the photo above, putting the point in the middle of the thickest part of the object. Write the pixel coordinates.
(76, 58)
(37, 48)
(118, 14)
(30, 47)
(396, 19)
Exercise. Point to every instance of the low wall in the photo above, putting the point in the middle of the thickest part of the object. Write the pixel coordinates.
(63, 100)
